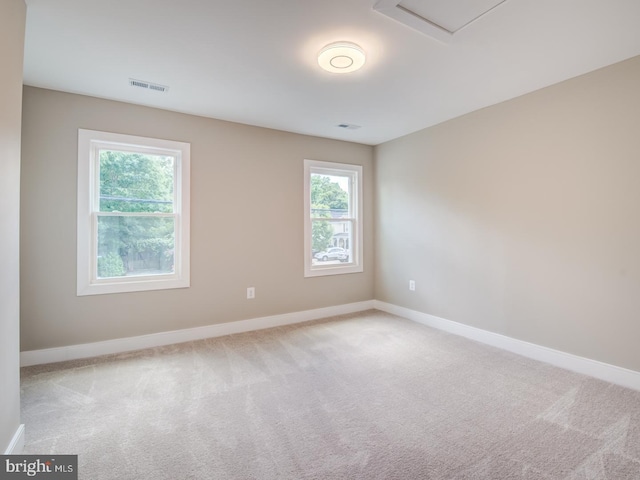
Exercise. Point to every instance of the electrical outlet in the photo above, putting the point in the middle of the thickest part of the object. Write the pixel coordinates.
(251, 292)
(412, 285)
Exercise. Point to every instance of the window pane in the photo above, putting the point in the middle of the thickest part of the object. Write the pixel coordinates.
(331, 242)
(135, 182)
(129, 246)
(329, 196)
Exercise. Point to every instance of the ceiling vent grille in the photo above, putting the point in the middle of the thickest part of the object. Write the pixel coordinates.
(147, 85)
(348, 126)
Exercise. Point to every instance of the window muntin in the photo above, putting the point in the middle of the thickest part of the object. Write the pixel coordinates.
(333, 213)
(133, 213)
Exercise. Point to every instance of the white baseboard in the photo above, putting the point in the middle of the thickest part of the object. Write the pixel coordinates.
(73, 352)
(603, 371)
(17, 442)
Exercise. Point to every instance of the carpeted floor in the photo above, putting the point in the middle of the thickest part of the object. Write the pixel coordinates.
(366, 396)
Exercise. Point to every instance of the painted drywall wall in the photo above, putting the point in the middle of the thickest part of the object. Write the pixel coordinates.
(523, 218)
(12, 24)
(246, 224)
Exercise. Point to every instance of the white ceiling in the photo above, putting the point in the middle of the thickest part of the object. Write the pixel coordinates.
(254, 61)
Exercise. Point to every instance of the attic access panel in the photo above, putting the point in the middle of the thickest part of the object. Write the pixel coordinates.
(440, 19)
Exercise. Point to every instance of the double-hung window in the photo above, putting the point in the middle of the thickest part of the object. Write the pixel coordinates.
(333, 218)
(133, 213)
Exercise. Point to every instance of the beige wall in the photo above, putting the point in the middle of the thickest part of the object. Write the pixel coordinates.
(246, 224)
(12, 22)
(523, 218)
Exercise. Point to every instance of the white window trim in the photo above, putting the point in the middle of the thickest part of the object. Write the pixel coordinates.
(87, 281)
(356, 202)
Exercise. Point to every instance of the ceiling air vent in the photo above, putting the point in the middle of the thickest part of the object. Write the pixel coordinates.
(348, 126)
(148, 85)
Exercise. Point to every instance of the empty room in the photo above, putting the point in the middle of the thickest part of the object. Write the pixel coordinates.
(363, 239)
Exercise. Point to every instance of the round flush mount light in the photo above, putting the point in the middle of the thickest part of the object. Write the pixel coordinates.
(341, 57)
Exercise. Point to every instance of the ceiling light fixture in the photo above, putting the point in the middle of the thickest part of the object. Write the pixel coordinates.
(341, 57)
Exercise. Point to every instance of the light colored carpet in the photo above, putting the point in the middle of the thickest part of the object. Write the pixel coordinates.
(366, 396)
